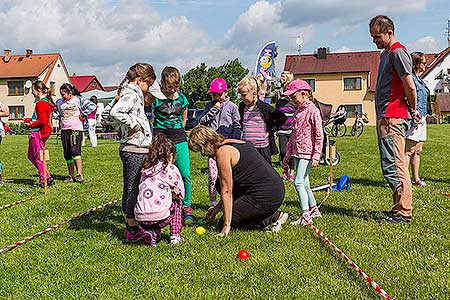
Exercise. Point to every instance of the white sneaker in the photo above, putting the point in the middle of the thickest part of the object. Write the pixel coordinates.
(302, 221)
(176, 239)
(282, 218)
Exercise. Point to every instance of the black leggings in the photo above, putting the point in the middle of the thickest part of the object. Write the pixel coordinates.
(283, 140)
(248, 216)
(132, 167)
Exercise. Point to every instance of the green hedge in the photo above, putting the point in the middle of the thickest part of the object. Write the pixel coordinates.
(19, 128)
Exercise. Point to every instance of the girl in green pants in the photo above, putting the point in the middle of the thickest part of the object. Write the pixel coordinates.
(170, 116)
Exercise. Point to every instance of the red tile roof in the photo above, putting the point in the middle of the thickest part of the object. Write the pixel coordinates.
(443, 101)
(348, 62)
(22, 66)
(82, 82)
(433, 59)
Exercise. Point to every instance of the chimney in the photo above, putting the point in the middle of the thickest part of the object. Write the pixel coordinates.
(7, 55)
(29, 52)
(322, 53)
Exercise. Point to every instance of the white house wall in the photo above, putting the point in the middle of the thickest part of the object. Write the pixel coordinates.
(432, 83)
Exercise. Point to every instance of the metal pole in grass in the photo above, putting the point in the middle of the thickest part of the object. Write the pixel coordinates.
(76, 217)
(354, 266)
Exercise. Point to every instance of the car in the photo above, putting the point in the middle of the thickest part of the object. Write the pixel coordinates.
(193, 118)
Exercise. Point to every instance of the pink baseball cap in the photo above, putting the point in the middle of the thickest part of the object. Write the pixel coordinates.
(296, 85)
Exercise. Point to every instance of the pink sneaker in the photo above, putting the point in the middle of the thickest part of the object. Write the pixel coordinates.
(304, 219)
(176, 239)
(291, 177)
(315, 212)
(134, 237)
(284, 176)
(419, 183)
(150, 238)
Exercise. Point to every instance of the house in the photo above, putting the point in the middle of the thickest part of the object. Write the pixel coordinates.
(437, 71)
(340, 78)
(86, 83)
(442, 105)
(18, 72)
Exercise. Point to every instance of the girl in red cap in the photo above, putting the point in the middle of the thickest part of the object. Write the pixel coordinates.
(305, 146)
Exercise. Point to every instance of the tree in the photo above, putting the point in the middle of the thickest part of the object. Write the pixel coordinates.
(196, 81)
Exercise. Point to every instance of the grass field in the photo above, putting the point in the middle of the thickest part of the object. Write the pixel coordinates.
(89, 259)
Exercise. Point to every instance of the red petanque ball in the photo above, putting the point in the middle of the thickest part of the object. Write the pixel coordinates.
(243, 255)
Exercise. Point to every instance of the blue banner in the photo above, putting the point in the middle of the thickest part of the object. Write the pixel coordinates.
(265, 63)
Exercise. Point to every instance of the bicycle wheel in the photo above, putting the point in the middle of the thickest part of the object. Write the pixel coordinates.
(336, 159)
(338, 130)
(359, 128)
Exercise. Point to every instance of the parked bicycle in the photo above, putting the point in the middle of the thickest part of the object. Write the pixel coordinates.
(358, 126)
(338, 120)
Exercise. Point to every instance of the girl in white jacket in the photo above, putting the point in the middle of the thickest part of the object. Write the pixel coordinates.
(136, 137)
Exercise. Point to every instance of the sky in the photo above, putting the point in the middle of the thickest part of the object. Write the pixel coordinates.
(105, 37)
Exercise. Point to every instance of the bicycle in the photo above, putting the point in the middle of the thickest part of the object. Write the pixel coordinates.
(358, 126)
(338, 120)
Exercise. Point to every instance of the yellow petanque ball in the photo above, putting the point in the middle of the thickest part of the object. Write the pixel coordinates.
(200, 230)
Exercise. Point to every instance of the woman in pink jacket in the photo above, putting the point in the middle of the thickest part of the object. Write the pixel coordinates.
(305, 146)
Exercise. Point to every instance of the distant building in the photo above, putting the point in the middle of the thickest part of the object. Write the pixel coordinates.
(18, 72)
(437, 71)
(86, 83)
(340, 78)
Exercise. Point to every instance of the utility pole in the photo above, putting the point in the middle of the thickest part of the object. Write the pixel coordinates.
(447, 33)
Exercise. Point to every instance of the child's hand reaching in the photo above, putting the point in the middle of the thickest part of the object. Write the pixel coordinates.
(314, 163)
(176, 193)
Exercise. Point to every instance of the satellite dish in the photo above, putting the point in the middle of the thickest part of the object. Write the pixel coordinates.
(28, 84)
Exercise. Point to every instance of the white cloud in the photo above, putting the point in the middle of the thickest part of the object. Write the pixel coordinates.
(343, 49)
(95, 37)
(427, 44)
(105, 37)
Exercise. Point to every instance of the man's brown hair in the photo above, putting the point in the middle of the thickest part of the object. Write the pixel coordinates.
(384, 23)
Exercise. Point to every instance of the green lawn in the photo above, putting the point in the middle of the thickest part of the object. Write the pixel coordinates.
(88, 258)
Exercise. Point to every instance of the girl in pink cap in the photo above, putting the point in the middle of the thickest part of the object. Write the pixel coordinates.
(222, 115)
(304, 146)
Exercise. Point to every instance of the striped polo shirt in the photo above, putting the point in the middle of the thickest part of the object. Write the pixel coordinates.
(254, 128)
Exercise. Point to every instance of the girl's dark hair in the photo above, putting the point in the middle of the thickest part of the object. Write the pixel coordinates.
(417, 58)
(94, 99)
(70, 88)
(143, 70)
(40, 86)
(161, 150)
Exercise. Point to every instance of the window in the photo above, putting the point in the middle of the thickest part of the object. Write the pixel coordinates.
(16, 112)
(52, 88)
(312, 83)
(15, 88)
(94, 83)
(352, 83)
(352, 109)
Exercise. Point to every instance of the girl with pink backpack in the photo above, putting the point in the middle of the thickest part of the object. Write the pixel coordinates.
(161, 192)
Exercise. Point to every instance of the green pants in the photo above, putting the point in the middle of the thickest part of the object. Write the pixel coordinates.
(184, 166)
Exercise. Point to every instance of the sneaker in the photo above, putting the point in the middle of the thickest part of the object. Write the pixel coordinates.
(305, 219)
(79, 178)
(129, 237)
(282, 218)
(291, 177)
(212, 204)
(419, 182)
(39, 185)
(68, 179)
(188, 219)
(50, 181)
(150, 238)
(315, 212)
(176, 239)
(284, 176)
(394, 219)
